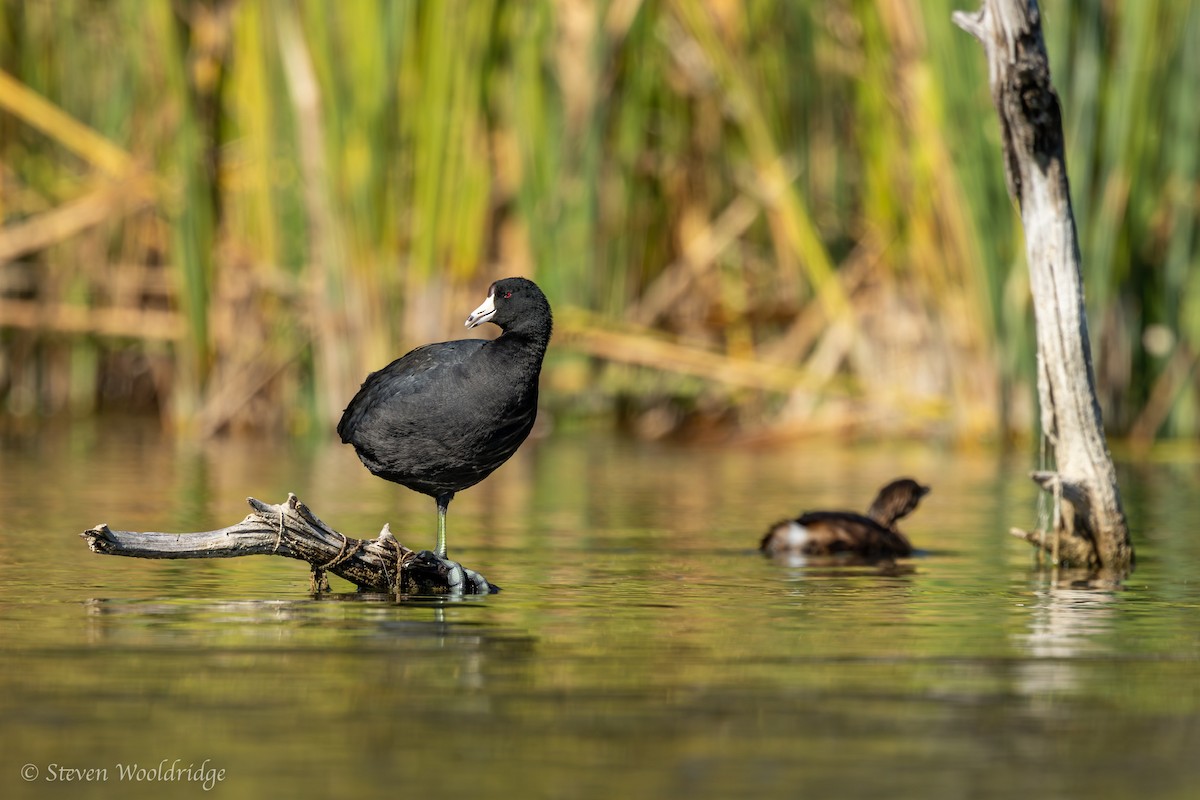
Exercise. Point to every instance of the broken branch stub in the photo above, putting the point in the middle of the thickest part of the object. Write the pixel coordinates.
(1091, 531)
(291, 530)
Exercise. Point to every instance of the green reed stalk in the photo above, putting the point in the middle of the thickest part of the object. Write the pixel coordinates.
(591, 149)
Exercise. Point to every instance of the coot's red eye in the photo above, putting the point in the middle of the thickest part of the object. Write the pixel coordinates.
(507, 295)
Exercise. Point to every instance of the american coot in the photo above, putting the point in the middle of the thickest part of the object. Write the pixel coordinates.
(874, 535)
(443, 417)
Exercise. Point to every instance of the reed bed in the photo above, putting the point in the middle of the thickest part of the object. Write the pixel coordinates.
(767, 217)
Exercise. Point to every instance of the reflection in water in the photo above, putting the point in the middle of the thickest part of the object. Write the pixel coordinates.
(642, 647)
(829, 566)
(362, 624)
(1068, 621)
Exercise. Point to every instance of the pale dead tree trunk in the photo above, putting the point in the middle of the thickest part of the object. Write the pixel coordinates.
(1089, 527)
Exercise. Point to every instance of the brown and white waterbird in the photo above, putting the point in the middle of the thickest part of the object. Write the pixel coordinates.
(443, 417)
(873, 535)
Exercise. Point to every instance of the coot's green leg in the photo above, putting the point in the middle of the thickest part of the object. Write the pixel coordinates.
(443, 503)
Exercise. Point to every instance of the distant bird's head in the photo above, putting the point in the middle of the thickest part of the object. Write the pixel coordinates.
(516, 305)
(896, 500)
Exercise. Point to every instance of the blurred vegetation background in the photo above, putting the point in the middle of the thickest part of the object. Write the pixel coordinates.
(768, 217)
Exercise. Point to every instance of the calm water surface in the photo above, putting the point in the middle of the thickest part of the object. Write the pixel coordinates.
(640, 648)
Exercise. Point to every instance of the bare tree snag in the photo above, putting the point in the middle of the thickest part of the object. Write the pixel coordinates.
(291, 530)
(1089, 529)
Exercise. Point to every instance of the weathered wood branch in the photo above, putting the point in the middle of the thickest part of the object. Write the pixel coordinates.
(291, 530)
(1091, 529)
(1071, 541)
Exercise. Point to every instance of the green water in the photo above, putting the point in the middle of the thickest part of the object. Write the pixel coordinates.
(640, 648)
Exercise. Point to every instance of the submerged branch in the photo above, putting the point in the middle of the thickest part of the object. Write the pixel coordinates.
(293, 531)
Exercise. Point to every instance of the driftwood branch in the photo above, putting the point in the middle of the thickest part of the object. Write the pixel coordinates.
(291, 530)
(1071, 541)
(1090, 528)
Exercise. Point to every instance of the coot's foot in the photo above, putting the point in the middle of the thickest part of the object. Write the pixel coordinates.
(458, 578)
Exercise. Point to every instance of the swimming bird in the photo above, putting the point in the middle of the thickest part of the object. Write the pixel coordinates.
(443, 417)
(873, 535)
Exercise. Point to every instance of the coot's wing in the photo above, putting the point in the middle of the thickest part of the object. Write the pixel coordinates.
(419, 376)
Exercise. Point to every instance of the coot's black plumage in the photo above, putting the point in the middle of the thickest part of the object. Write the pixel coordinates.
(443, 417)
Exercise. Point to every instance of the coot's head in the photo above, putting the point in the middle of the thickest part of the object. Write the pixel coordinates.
(896, 500)
(515, 304)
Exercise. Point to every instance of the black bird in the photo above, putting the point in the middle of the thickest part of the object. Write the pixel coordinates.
(443, 417)
(875, 535)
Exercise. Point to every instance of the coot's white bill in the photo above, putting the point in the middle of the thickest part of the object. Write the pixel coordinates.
(484, 313)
